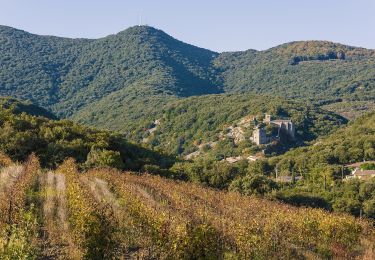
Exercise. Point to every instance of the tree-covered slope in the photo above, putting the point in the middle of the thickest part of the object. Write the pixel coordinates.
(33, 67)
(122, 81)
(25, 129)
(312, 69)
(353, 143)
(196, 120)
(184, 124)
(67, 74)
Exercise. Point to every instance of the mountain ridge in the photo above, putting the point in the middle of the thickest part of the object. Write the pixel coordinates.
(118, 72)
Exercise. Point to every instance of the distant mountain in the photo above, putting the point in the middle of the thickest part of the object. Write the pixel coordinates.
(317, 70)
(68, 74)
(123, 81)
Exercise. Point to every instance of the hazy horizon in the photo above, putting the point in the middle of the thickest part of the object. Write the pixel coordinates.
(212, 25)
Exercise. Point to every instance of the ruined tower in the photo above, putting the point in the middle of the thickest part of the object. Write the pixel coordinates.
(259, 136)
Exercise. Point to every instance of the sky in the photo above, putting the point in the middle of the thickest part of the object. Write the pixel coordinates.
(230, 25)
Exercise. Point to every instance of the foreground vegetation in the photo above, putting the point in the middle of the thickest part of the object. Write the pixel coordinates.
(109, 214)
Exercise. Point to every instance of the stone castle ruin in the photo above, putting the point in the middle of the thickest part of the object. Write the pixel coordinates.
(285, 126)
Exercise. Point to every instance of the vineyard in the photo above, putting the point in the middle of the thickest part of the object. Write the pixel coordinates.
(108, 214)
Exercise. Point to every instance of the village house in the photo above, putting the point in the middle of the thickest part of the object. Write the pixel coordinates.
(359, 173)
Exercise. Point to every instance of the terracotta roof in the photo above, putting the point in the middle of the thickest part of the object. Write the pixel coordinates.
(365, 172)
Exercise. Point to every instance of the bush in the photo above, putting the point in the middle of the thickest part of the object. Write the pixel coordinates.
(5, 160)
(253, 185)
(104, 158)
(303, 199)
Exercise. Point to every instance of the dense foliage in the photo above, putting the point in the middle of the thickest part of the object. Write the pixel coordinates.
(316, 70)
(197, 120)
(119, 79)
(186, 123)
(53, 141)
(16, 106)
(68, 74)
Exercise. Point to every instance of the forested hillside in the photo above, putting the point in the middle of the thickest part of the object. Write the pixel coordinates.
(16, 106)
(315, 70)
(68, 74)
(353, 143)
(183, 124)
(128, 76)
(24, 129)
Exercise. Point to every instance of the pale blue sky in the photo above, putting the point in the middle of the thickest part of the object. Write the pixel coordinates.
(217, 25)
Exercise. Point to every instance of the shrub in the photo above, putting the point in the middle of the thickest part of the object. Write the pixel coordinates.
(104, 158)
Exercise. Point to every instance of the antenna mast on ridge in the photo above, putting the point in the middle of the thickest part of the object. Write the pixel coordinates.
(140, 19)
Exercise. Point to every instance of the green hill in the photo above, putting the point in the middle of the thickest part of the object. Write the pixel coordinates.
(65, 75)
(186, 123)
(316, 70)
(25, 129)
(124, 81)
(353, 143)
